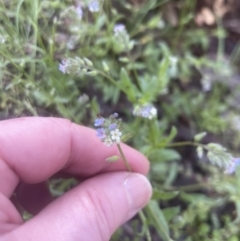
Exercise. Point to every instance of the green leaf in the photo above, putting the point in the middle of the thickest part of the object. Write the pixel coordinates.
(200, 136)
(127, 86)
(163, 155)
(170, 213)
(163, 195)
(88, 62)
(123, 59)
(156, 215)
(172, 135)
(95, 106)
(105, 66)
(112, 159)
(196, 198)
(125, 137)
(92, 73)
(163, 77)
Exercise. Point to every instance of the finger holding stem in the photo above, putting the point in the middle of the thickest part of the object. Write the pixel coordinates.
(141, 213)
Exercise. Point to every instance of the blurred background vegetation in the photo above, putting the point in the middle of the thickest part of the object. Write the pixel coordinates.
(184, 60)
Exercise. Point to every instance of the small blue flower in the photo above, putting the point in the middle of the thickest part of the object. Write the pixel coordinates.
(79, 11)
(112, 126)
(99, 122)
(101, 133)
(119, 28)
(115, 115)
(146, 111)
(63, 66)
(232, 168)
(93, 6)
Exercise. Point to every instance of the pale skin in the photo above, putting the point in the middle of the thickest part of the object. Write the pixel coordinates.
(34, 149)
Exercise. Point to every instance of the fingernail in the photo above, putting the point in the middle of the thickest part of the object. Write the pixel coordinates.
(139, 191)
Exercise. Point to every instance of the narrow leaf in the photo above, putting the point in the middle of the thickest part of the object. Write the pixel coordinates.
(200, 136)
(158, 220)
(112, 159)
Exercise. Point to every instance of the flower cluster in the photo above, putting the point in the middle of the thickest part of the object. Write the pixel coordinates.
(93, 6)
(122, 37)
(219, 156)
(77, 66)
(109, 131)
(146, 111)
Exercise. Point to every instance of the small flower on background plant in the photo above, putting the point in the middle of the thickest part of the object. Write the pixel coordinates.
(206, 83)
(161, 24)
(2, 39)
(122, 37)
(173, 60)
(112, 126)
(72, 42)
(111, 129)
(200, 152)
(173, 66)
(79, 12)
(77, 66)
(232, 167)
(146, 111)
(119, 28)
(63, 66)
(83, 98)
(218, 155)
(94, 6)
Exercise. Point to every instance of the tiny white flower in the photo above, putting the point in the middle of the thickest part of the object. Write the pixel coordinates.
(108, 142)
(200, 152)
(152, 113)
(173, 60)
(161, 24)
(116, 135)
(206, 83)
(2, 39)
(83, 99)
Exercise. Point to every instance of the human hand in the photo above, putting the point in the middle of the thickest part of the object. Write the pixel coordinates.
(33, 149)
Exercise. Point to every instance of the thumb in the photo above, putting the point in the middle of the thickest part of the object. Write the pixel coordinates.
(91, 211)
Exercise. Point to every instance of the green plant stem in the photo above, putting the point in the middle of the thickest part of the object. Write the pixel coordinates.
(220, 47)
(141, 213)
(124, 158)
(134, 70)
(188, 188)
(184, 143)
(144, 221)
(109, 78)
(113, 81)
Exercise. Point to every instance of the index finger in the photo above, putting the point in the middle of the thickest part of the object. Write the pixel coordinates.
(34, 148)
